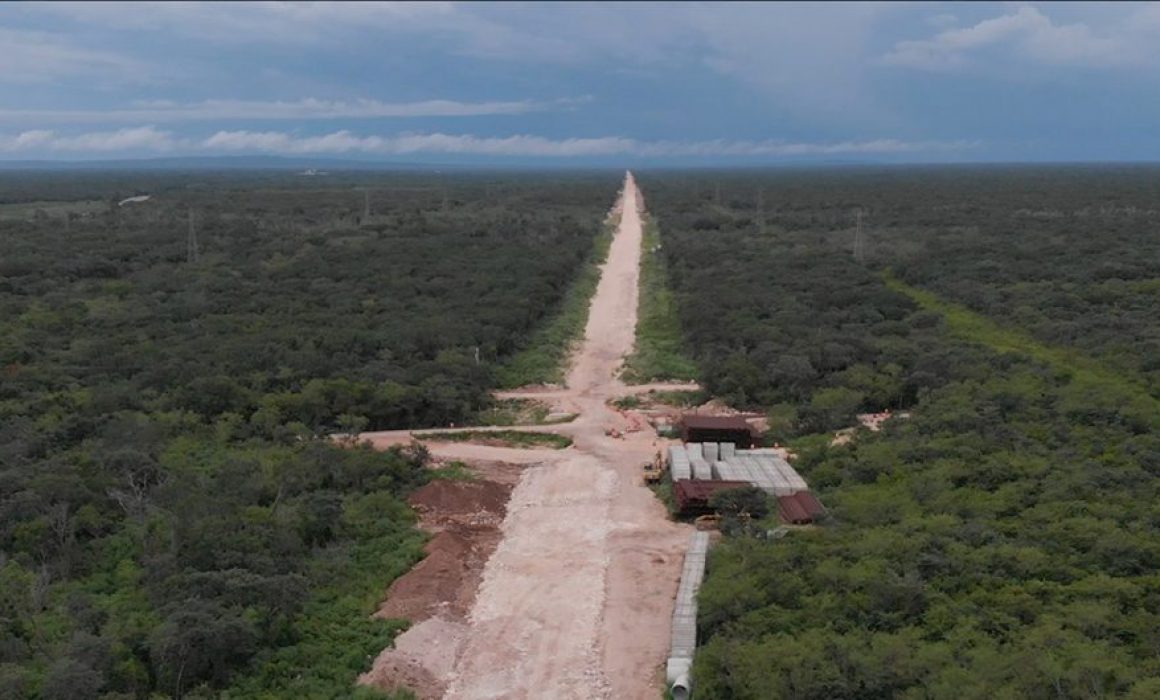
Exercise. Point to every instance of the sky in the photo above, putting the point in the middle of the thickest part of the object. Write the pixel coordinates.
(580, 83)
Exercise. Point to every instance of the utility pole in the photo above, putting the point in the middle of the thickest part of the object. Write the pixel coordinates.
(366, 205)
(191, 251)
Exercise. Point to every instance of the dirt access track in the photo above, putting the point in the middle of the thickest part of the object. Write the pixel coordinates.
(576, 599)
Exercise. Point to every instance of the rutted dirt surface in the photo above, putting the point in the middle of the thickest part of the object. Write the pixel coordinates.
(575, 601)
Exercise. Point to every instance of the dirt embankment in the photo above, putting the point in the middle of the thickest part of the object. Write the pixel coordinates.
(438, 593)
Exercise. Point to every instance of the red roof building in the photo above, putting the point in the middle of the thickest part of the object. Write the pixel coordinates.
(802, 508)
(734, 429)
(692, 496)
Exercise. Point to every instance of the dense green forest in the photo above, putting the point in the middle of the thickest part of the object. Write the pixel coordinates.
(1000, 543)
(173, 519)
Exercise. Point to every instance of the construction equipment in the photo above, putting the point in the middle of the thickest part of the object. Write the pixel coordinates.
(713, 522)
(708, 522)
(654, 470)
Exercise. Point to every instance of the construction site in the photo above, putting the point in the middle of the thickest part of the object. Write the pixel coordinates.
(700, 469)
(558, 572)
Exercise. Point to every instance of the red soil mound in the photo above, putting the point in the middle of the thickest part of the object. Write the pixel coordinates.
(465, 515)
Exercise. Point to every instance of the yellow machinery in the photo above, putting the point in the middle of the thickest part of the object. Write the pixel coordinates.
(654, 470)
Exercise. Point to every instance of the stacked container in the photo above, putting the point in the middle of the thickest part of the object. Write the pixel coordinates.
(679, 463)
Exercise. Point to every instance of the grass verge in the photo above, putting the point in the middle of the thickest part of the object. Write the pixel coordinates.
(683, 399)
(543, 360)
(659, 352)
(454, 471)
(505, 438)
(520, 412)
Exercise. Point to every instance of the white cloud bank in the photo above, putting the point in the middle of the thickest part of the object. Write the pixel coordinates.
(142, 138)
(167, 111)
(29, 57)
(149, 139)
(1035, 36)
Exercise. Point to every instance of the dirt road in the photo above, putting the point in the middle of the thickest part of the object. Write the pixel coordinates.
(575, 601)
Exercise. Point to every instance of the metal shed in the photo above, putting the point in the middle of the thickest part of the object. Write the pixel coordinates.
(810, 504)
(801, 508)
(731, 429)
(692, 496)
(792, 512)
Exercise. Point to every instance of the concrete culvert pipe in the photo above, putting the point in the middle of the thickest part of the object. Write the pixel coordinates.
(677, 674)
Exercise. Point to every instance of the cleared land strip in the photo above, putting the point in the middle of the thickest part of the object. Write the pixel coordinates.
(1086, 371)
(575, 601)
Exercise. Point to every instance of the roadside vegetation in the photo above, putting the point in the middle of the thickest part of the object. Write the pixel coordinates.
(174, 521)
(520, 412)
(659, 350)
(544, 360)
(504, 438)
(628, 402)
(681, 399)
(970, 326)
(678, 398)
(1000, 542)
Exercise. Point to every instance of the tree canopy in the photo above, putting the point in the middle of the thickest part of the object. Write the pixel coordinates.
(999, 543)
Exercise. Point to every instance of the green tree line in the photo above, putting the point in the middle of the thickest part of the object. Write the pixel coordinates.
(1000, 543)
(174, 520)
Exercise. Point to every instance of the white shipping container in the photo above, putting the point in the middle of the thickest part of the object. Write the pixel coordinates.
(702, 470)
(710, 451)
(727, 471)
(795, 480)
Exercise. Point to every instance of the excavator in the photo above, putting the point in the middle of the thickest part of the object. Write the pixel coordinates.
(654, 470)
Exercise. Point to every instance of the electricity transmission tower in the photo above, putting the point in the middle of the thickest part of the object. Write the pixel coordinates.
(191, 251)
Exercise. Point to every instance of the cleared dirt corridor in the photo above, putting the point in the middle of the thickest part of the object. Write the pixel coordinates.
(575, 601)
